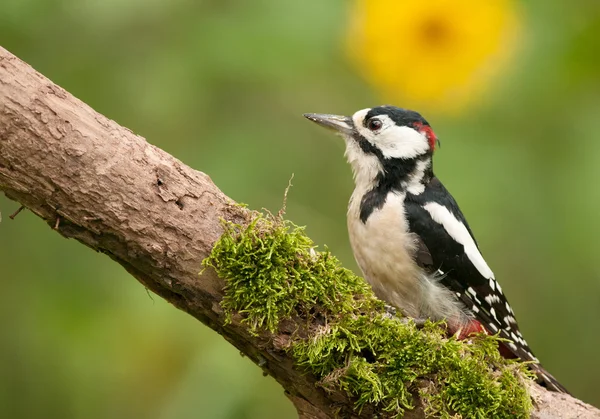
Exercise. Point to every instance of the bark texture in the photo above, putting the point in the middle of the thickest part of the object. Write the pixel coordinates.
(97, 182)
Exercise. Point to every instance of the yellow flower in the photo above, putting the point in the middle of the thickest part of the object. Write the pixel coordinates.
(433, 54)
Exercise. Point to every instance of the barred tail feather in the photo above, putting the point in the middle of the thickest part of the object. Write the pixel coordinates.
(545, 379)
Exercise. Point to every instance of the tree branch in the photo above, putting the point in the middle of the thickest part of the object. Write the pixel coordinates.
(97, 182)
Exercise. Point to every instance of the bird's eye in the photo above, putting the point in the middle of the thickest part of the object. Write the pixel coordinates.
(374, 124)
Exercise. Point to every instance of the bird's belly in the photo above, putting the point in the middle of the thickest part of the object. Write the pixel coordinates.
(384, 250)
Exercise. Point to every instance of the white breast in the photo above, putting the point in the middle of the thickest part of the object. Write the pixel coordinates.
(384, 250)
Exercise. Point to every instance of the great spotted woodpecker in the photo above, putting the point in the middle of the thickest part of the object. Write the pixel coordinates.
(409, 236)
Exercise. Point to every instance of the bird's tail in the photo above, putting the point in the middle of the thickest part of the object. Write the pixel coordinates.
(545, 379)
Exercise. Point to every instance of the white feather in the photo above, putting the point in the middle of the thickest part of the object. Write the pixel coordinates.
(499, 288)
(492, 298)
(415, 184)
(384, 250)
(365, 167)
(457, 230)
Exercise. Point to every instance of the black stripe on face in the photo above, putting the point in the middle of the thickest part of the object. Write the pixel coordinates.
(368, 148)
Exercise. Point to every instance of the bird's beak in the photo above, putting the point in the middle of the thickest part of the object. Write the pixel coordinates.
(340, 124)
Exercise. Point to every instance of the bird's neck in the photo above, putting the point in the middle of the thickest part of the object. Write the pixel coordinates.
(418, 178)
(402, 176)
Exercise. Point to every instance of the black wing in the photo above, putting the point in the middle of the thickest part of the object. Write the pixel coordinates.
(440, 253)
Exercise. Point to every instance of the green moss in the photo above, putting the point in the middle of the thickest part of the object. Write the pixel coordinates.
(349, 341)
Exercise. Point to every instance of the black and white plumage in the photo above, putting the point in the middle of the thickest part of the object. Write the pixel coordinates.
(409, 236)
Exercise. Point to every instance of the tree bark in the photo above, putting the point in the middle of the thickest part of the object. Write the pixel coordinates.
(97, 182)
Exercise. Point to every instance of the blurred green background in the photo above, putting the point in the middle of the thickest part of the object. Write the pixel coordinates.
(222, 85)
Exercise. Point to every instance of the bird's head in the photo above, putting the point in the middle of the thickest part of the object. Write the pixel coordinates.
(381, 138)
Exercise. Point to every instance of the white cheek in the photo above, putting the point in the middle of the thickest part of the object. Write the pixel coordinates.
(393, 141)
(401, 142)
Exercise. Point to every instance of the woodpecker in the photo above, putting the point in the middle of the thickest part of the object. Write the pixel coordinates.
(410, 238)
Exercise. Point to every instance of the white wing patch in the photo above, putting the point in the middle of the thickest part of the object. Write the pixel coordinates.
(499, 288)
(492, 299)
(457, 230)
(471, 291)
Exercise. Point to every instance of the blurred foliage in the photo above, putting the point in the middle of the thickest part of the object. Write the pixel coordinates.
(222, 85)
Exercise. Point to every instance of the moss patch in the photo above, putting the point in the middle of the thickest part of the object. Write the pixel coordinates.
(349, 341)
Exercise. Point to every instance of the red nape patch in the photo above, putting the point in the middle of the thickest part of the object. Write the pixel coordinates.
(426, 129)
